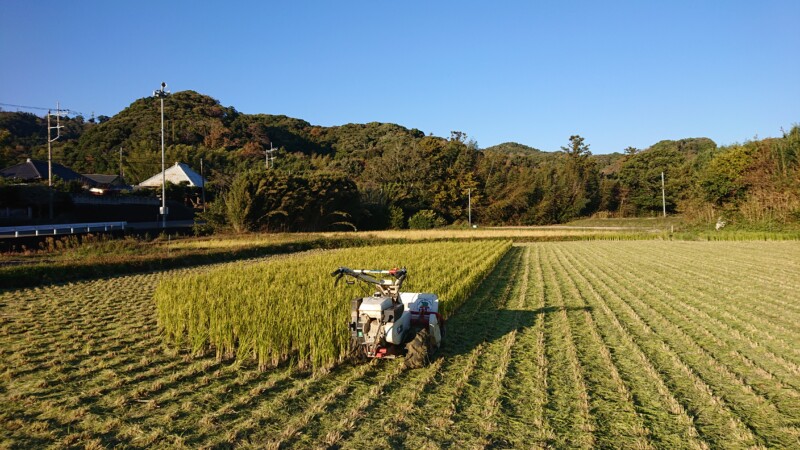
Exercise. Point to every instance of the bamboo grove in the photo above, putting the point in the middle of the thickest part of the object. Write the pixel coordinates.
(288, 308)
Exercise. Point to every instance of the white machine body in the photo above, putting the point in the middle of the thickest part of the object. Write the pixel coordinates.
(386, 321)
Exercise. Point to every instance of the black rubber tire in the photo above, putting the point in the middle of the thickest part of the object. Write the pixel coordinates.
(356, 355)
(418, 351)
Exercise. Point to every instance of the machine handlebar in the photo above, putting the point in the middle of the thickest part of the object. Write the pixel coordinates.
(365, 275)
(397, 273)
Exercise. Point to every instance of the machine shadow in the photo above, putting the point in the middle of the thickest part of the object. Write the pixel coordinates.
(466, 333)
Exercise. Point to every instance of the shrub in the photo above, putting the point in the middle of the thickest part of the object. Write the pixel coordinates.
(425, 219)
(397, 219)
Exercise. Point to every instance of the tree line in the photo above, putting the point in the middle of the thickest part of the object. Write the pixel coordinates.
(378, 175)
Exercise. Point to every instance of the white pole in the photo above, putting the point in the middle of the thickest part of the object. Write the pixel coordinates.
(161, 93)
(163, 171)
(203, 181)
(663, 195)
(469, 206)
(49, 153)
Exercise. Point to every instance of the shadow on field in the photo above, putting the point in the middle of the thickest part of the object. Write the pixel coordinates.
(488, 315)
(464, 334)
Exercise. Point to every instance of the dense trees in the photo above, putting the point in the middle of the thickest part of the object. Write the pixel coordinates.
(640, 180)
(277, 201)
(379, 175)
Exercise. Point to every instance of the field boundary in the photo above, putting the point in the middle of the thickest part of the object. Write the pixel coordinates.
(38, 274)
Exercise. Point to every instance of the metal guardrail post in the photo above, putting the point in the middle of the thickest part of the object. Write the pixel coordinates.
(71, 228)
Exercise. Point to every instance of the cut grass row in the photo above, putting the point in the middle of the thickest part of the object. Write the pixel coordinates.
(614, 414)
(730, 382)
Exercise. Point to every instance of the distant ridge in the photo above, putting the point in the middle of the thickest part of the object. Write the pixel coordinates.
(514, 148)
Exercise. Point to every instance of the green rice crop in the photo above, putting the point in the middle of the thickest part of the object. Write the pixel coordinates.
(290, 309)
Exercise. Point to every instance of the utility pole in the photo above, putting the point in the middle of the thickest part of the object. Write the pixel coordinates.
(121, 171)
(50, 154)
(162, 93)
(51, 140)
(663, 195)
(469, 206)
(203, 181)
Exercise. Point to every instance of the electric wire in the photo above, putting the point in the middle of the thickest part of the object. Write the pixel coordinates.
(77, 113)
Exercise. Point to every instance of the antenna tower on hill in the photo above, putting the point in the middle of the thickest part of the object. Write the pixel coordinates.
(269, 157)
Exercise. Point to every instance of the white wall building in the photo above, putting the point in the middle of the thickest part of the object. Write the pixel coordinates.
(176, 174)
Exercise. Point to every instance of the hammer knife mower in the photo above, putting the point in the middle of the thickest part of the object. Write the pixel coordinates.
(389, 323)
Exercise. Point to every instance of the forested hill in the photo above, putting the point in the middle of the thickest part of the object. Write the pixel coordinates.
(515, 148)
(196, 126)
(397, 173)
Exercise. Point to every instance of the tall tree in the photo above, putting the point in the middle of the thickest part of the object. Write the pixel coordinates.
(576, 147)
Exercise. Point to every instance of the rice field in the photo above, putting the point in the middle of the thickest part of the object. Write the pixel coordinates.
(624, 344)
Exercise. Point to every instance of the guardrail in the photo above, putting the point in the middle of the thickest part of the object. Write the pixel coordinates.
(61, 228)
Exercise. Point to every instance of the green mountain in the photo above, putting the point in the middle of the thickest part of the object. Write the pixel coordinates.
(196, 126)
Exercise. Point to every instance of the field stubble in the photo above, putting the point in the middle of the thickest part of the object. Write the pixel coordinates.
(580, 344)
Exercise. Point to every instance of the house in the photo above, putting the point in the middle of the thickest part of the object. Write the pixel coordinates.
(34, 170)
(106, 180)
(177, 174)
(104, 184)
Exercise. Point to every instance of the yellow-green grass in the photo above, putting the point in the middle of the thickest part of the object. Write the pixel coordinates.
(107, 257)
(659, 223)
(67, 259)
(515, 233)
(290, 308)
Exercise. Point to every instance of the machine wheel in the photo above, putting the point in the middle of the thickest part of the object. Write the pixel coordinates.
(418, 351)
(356, 355)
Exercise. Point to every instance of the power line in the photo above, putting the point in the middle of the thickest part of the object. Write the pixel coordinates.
(77, 113)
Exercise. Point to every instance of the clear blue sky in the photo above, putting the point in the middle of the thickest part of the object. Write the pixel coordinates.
(618, 73)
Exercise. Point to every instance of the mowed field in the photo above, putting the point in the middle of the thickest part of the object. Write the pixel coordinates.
(624, 344)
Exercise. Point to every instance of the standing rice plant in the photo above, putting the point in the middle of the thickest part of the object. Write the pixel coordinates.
(289, 308)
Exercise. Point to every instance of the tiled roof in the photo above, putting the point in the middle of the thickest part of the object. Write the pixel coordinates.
(33, 170)
(99, 178)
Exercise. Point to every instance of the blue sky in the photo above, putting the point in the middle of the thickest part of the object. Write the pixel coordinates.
(619, 73)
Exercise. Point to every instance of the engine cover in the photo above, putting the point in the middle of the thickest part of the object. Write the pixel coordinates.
(377, 321)
(374, 306)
